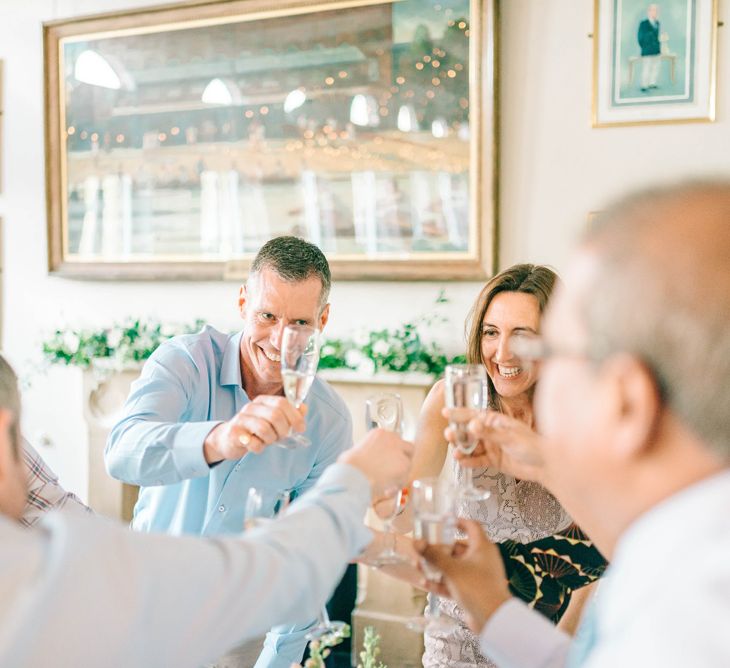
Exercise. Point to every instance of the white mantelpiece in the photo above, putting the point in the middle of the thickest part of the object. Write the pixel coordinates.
(104, 393)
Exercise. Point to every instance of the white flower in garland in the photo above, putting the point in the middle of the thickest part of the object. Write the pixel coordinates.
(381, 347)
(353, 358)
(71, 342)
(114, 338)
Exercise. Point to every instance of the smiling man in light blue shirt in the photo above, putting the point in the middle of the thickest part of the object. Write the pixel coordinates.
(197, 426)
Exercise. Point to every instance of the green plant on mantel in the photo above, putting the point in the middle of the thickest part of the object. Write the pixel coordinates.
(121, 346)
(399, 350)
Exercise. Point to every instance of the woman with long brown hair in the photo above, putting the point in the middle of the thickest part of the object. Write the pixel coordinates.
(510, 305)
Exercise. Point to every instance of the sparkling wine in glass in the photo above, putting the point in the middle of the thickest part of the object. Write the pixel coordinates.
(466, 388)
(434, 520)
(299, 360)
(385, 411)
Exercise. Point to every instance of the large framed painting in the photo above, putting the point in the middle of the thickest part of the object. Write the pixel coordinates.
(1, 125)
(654, 62)
(180, 138)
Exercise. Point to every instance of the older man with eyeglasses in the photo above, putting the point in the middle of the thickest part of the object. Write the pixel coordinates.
(634, 411)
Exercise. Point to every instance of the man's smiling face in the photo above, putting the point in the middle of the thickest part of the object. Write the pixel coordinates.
(267, 304)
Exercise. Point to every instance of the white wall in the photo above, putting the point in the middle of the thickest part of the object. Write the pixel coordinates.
(554, 170)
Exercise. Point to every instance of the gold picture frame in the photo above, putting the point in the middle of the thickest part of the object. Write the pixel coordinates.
(654, 63)
(2, 121)
(179, 138)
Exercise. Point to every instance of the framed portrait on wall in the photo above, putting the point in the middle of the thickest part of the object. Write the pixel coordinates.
(180, 138)
(654, 62)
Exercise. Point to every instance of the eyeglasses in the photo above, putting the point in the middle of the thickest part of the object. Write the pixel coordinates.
(537, 349)
(532, 349)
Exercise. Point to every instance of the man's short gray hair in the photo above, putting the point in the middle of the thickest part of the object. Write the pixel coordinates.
(294, 260)
(662, 293)
(10, 398)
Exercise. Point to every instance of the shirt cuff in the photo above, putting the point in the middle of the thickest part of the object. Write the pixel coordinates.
(187, 449)
(517, 637)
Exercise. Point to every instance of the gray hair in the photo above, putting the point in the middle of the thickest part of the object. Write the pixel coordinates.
(662, 293)
(10, 398)
(294, 260)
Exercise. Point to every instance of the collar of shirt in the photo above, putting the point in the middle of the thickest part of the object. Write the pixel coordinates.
(230, 373)
(704, 499)
(653, 551)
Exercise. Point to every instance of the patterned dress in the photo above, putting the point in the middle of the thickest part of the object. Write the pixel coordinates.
(516, 511)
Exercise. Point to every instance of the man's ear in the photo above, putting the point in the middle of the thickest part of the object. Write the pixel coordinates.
(8, 448)
(324, 316)
(638, 407)
(242, 298)
(13, 489)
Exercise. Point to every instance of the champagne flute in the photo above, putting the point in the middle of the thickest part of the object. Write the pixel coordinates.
(299, 360)
(466, 389)
(385, 411)
(260, 509)
(263, 507)
(434, 520)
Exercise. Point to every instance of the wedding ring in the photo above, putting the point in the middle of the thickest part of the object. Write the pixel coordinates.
(244, 439)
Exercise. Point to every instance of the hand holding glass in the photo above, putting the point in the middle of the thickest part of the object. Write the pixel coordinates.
(434, 520)
(466, 388)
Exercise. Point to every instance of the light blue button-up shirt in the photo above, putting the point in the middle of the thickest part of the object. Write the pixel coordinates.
(189, 385)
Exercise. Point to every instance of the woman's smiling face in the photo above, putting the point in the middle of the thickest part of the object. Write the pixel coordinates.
(509, 314)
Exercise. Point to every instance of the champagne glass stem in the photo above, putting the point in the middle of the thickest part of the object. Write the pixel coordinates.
(325, 617)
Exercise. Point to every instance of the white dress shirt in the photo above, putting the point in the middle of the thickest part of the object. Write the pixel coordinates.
(665, 600)
(78, 590)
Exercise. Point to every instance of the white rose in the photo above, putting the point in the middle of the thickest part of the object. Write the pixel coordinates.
(114, 338)
(366, 366)
(168, 331)
(327, 350)
(381, 347)
(353, 358)
(362, 338)
(71, 342)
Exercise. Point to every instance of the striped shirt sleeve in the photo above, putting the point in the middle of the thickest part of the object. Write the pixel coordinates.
(44, 491)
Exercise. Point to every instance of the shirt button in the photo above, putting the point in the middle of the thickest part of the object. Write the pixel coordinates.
(237, 467)
(221, 509)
